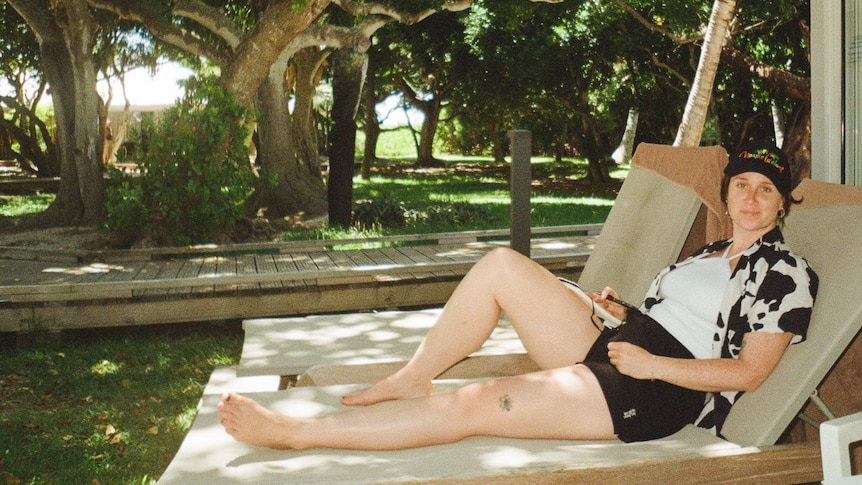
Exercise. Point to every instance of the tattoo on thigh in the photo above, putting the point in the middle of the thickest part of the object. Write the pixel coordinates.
(506, 403)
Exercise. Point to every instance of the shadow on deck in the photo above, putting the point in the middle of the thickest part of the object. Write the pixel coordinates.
(66, 290)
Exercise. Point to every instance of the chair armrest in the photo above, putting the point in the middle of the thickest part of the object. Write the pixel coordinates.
(836, 435)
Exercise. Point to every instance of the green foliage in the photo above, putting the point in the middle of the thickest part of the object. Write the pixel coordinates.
(386, 213)
(128, 216)
(195, 173)
(381, 211)
(458, 214)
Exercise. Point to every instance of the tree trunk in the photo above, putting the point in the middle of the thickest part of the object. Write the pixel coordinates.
(299, 188)
(425, 155)
(498, 142)
(694, 117)
(69, 66)
(778, 123)
(591, 146)
(372, 127)
(798, 143)
(623, 153)
(277, 28)
(348, 75)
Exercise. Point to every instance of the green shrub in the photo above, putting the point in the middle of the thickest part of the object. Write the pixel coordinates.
(383, 211)
(195, 173)
(456, 215)
(128, 217)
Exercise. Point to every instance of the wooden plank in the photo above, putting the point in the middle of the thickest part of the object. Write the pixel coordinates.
(190, 268)
(14, 273)
(165, 270)
(400, 257)
(266, 264)
(360, 259)
(225, 267)
(324, 263)
(348, 260)
(408, 255)
(207, 278)
(773, 465)
(385, 264)
(246, 264)
(208, 272)
(303, 264)
(379, 257)
(286, 264)
(129, 255)
(297, 301)
(430, 252)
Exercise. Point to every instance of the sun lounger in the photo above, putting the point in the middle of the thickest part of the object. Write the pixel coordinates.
(827, 230)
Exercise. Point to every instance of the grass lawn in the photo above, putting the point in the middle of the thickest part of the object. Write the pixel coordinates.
(107, 406)
(111, 406)
(471, 194)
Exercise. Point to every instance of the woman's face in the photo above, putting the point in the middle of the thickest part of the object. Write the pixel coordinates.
(753, 202)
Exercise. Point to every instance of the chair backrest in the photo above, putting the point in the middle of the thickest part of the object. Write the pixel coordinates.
(669, 201)
(826, 229)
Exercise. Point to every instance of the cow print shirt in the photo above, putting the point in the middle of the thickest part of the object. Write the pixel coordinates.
(770, 290)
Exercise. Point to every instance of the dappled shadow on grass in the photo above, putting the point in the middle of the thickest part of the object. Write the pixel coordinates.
(105, 405)
(559, 178)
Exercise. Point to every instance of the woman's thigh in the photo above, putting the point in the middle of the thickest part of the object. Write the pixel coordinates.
(554, 325)
(563, 403)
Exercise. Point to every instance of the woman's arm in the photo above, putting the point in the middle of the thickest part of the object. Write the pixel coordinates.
(758, 357)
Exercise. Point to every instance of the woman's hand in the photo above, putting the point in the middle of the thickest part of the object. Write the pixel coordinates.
(614, 308)
(631, 360)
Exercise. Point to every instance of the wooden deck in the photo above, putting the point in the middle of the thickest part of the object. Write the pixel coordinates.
(65, 290)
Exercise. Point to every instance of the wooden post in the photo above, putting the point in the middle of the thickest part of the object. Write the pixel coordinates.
(519, 183)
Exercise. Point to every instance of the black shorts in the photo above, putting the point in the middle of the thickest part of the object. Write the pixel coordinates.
(643, 409)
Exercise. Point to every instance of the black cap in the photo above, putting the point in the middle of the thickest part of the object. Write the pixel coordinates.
(764, 158)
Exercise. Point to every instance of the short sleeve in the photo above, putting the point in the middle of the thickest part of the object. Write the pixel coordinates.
(784, 298)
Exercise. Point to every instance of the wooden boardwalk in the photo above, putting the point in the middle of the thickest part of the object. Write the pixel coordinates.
(55, 291)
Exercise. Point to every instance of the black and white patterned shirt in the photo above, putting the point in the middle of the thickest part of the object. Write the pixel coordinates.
(770, 290)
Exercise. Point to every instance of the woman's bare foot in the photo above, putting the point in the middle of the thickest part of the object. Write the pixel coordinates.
(249, 422)
(389, 389)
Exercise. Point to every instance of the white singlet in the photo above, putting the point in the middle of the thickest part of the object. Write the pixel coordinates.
(690, 300)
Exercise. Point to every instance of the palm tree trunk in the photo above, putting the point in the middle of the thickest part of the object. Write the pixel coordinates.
(691, 127)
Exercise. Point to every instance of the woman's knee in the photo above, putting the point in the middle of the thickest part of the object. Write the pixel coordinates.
(470, 406)
(502, 255)
(502, 261)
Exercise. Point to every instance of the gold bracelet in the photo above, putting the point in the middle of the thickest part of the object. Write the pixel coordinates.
(652, 368)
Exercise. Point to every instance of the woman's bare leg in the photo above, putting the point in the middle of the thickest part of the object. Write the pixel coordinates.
(564, 403)
(553, 324)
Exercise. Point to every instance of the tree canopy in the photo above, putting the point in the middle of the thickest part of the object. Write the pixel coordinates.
(571, 72)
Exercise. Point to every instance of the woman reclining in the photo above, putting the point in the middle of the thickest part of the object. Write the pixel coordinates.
(710, 328)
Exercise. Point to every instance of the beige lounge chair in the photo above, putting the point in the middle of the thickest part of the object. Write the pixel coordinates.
(827, 230)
